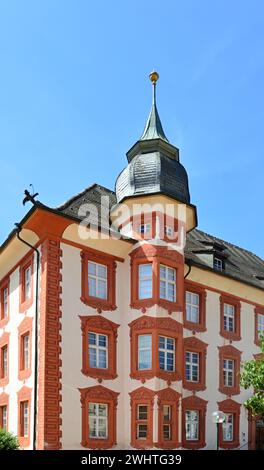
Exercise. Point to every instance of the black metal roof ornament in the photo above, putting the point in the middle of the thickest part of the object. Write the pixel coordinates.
(30, 197)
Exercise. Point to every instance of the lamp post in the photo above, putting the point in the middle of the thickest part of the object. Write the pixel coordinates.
(218, 417)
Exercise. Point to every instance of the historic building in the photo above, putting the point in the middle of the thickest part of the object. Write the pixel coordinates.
(123, 326)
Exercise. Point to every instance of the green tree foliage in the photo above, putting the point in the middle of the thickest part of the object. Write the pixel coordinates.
(253, 376)
(8, 441)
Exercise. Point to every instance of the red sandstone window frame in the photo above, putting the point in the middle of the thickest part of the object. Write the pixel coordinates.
(199, 290)
(230, 300)
(156, 326)
(156, 256)
(5, 284)
(25, 304)
(100, 325)
(194, 403)
(232, 353)
(4, 343)
(4, 401)
(230, 406)
(193, 344)
(171, 398)
(108, 261)
(25, 328)
(257, 311)
(24, 395)
(103, 395)
(142, 396)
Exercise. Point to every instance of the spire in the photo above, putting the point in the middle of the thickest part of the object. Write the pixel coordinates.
(153, 128)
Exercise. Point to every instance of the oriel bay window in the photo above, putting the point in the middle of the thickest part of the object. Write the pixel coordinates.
(229, 432)
(195, 363)
(156, 348)
(230, 317)
(99, 337)
(98, 417)
(156, 278)
(99, 279)
(229, 367)
(195, 306)
(193, 422)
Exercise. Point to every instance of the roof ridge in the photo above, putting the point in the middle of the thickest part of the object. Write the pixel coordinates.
(73, 198)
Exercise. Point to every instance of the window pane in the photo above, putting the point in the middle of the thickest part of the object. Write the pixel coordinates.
(92, 286)
(144, 341)
(145, 270)
(92, 357)
(142, 431)
(166, 432)
(102, 289)
(144, 360)
(102, 359)
(102, 340)
(91, 268)
(102, 271)
(92, 338)
(142, 412)
(145, 289)
(166, 412)
(102, 410)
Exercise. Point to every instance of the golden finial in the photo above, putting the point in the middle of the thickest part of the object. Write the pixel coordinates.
(154, 76)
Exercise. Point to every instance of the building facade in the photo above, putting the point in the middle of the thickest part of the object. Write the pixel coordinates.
(122, 325)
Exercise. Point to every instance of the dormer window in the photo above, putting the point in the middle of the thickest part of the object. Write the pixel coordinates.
(218, 264)
(144, 228)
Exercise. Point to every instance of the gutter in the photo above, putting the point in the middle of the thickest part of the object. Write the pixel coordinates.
(17, 231)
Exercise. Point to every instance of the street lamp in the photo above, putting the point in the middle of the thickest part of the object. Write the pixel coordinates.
(218, 417)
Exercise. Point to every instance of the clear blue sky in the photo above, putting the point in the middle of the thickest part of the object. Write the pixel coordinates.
(75, 95)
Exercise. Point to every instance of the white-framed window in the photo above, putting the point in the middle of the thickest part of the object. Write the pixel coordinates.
(260, 324)
(144, 352)
(4, 361)
(167, 283)
(142, 421)
(145, 281)
(166, 411)
(192, 305)
(144, 228)
(98, 420)
(228, 427)
(3, 416)
(192, 425)
(24, 418)
(229, 317)
(169, 231)
(167, 353)
(229, 368)
(98, 350)
(192, 366)
(27, 274)
(5, 302)
(97, 280)
(218, 264)
(26, 351)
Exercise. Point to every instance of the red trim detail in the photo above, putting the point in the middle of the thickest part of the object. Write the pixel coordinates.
(98, 394)
(194, 344)
(230, 406)
(142, 396)
(195, 289)
(169, 397)
(100, 325)
(155, 326)
(4, 343)
(156, 255)
(24, 328)
(109, 261)
(229, 352)
(23, 395)
(4, 401)
(194, 403)
(25, 304)
(233, 335)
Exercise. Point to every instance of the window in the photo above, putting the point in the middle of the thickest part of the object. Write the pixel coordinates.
(99, 337)
(169, 231)
(156, 278)
(229, 367)
(98, 422)
(142, 417)
(192, 425)
(259, 325)
(228, 427)
(192, 307)
(98, 350)
(24, 341)
(166, 409)
(3, 417)
(24, 419)
(25, 349)
(144, 352)
(193, 422)
(218, 264)
(145, 281)
(230, 309)
(26, 284)
(229, 431)
(195, 306)
(4, 362)
(167, 283)
(192, 366)
(166, 353)
(168, 401)
(98, 280)
(98, 417)
(144, 228)
(4, 303)
(228, 373)
(155, 348)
